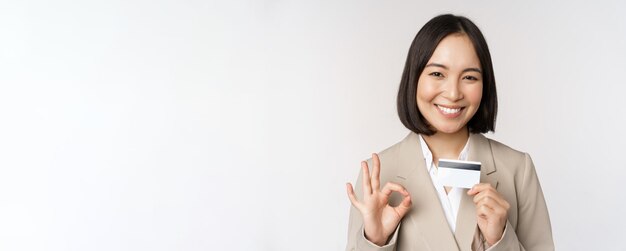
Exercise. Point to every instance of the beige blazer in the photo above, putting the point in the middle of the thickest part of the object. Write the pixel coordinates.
(511, 172)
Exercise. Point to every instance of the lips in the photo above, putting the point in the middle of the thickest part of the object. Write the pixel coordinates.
(449, 111)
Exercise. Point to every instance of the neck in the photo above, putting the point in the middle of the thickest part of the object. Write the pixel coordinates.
(447, 145)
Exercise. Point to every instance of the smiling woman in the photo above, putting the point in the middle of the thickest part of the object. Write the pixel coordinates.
(447, 98)
(450, 85)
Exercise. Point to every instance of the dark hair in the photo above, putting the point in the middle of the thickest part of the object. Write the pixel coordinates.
(421, 50)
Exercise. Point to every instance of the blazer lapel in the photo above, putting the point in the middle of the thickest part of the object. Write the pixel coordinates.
(427, 215)
(480, 150)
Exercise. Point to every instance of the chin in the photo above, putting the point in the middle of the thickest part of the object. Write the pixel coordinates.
(449, 130)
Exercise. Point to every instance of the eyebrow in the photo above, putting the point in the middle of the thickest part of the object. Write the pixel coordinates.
(445, 67)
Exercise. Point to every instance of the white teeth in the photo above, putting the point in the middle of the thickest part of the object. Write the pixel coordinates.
(448, 110)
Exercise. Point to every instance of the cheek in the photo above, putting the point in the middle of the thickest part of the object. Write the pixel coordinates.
(425, 91)
(474, 94)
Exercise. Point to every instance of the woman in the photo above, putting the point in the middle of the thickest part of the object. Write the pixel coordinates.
(447, 98)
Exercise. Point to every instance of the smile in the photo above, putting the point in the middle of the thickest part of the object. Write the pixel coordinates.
(448, 110)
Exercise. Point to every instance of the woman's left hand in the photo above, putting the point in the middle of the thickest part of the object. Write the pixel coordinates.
(491, 211)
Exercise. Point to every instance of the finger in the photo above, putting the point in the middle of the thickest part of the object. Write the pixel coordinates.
(497, 209)
(406, 202)
(478, 188)
(376, 172)
(489, 202)
(367, 186)
(393, 187)
(352, 196)
(483, 189)
(404, 206)
(493, 202)
(500, 206)
(490, 195)
(491, 212)
(483, 194)
(484, 211)
(501, 211)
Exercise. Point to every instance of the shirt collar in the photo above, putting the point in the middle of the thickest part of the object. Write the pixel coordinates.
(428, 155)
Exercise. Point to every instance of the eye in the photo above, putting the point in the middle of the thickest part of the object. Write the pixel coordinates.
(436, 74)
(472, 78)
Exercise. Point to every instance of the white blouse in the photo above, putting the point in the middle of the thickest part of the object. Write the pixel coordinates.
(451, 201)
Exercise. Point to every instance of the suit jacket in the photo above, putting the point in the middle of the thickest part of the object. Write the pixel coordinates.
(424, 227)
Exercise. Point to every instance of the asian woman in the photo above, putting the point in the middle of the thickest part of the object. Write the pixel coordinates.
(447, 99)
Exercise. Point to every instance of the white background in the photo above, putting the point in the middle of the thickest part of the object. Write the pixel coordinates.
(234, 125)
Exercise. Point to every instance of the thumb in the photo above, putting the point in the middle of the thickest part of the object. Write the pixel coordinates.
(472, 191)
(404, 206)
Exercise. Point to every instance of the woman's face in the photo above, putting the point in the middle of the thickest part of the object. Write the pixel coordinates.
(450, 88)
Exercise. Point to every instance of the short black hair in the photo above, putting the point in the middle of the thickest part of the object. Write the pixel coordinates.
(421, 50)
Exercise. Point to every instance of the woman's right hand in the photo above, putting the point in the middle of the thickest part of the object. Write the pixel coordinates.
(379, 218)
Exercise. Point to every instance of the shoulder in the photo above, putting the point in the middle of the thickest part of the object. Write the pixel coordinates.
(409, 144)
(500, 150)
(399, 155)
(497, 149)
(508, 159)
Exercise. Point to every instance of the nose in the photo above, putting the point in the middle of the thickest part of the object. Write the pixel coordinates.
(452, 91)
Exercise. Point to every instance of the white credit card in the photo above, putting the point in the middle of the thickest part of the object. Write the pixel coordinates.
(458, 173)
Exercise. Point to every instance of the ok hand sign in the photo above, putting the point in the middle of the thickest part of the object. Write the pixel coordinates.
(379, 218)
